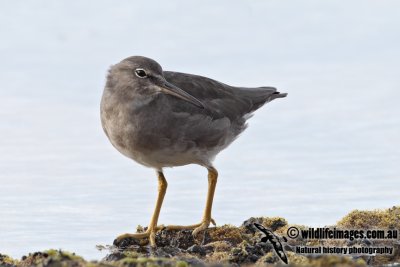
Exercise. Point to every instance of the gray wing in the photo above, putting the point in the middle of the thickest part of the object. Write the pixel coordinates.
(221, 100)
(222, 119)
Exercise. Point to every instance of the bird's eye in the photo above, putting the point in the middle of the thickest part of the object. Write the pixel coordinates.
(141, 73)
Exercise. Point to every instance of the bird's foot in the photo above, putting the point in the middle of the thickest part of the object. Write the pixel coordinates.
(150, 233)
(196, 227)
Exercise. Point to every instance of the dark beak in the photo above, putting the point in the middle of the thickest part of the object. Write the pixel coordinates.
(169, 88)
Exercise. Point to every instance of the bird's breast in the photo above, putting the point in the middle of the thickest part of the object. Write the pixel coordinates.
(142, 134)
(156, 135)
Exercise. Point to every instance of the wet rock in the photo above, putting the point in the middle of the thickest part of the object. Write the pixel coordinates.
(195, 262)
(196, 249)
(231, 246)
(116, 256)
(248, 225)
(273, 224)
(181, 239)
(130, 242)
(166, 252)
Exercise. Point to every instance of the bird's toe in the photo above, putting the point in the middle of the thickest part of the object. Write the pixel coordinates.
(124, 241)
(203, 226)
(161, 227)
(139, 239)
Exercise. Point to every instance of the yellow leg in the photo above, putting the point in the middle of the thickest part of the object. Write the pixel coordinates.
(212, 182)
(152, 228)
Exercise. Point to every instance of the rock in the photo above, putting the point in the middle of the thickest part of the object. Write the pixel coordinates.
(196, 249)
(166, 252)
(228, 245)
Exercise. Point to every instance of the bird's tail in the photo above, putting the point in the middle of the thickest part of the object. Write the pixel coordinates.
(272, 92)
(260, 95)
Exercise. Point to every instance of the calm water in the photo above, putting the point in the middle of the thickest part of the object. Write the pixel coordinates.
(330, 147)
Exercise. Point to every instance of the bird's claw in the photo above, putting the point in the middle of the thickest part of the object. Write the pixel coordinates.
(150, 233)
(213, 222)
(201, 227)
(122, 240)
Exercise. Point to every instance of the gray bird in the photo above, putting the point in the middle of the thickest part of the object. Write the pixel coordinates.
(165, 119)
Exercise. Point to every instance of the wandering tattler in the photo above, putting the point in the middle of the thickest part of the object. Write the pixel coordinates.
(164, 119)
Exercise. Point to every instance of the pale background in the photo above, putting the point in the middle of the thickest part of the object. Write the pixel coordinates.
(330, 147)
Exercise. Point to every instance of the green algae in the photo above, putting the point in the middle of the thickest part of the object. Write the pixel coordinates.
(383, 219)
(7, 261)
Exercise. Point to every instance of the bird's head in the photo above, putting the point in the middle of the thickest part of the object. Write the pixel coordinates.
(143, 76)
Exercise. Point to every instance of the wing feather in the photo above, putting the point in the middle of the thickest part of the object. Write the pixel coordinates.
(221, 99)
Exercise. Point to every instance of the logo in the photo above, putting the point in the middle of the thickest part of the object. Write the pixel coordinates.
(274, 240)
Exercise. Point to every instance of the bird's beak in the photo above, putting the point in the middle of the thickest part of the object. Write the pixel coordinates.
(169, 88)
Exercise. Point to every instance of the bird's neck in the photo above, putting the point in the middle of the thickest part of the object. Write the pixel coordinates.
(140, 101)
